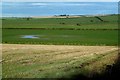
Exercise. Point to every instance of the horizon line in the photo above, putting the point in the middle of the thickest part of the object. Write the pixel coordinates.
(62, 16)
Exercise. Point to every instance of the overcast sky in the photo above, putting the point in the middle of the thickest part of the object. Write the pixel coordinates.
(60, 0)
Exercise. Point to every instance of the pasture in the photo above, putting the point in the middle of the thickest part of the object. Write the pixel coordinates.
(109, 22)
(58, 47)
(69, 31)
(61, 37)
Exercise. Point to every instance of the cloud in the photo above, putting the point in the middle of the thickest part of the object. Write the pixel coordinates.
(54, 4)
(39, 4)
(13, 14)
(80, 4)
(60, 0)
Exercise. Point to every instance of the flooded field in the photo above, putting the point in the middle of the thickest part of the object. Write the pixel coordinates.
(30, 36)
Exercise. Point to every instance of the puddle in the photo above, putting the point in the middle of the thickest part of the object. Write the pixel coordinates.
(30, 36)
(45, 37)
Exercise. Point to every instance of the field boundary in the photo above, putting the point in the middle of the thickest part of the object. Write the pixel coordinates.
(60, 29)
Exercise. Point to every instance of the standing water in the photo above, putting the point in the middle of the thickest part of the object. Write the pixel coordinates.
(30, 36)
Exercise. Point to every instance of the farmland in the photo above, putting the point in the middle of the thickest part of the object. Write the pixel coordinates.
(58, 47)
(61, 37)
(71, 31)
(55, 61)
(109, 22)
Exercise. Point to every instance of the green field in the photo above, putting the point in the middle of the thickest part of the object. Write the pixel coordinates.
(65, 37)
(68, 31)
(56, 51)
(109, 22)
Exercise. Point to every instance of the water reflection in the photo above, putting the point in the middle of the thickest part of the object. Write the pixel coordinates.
(30, 36)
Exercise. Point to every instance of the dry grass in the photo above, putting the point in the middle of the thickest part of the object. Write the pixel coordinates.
(48, 60)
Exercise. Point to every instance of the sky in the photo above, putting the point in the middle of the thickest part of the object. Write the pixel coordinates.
(48, 9)
(60, 0)
(12, 7)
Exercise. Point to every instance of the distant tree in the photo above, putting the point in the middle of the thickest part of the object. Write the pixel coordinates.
(78, 24)
(3, 19)
(91, 20)
(99, 18)
(63, 15)
(28, 18)
(62, 23)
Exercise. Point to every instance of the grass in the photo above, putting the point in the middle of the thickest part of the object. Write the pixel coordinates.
(110, 22)
(98, 38)
(44, 61)
(100, 66)
(67, 37)
(93, 32)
